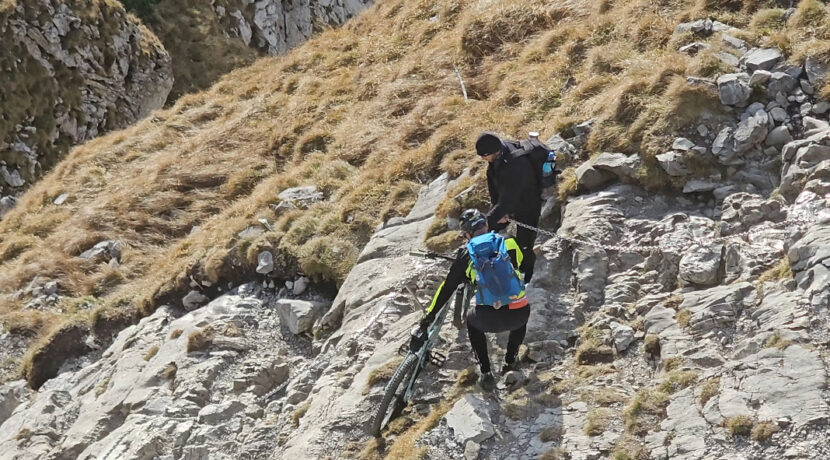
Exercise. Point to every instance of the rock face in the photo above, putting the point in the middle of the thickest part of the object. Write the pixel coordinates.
(69, 74)
(274, 26)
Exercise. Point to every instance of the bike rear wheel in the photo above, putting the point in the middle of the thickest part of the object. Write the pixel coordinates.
(393, 399)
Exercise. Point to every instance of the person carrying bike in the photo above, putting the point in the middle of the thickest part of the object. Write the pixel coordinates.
(491, 263)
(515, 192)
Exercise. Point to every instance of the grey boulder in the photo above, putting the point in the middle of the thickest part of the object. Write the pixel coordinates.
(469, 419)
(761, 59)
(733, 89)
(299, 315)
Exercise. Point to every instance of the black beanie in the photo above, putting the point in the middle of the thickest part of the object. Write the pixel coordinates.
(487, 143)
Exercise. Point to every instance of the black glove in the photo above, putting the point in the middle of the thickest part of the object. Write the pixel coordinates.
(418, 337)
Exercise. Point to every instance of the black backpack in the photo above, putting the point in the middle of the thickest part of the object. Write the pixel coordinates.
(540, 156)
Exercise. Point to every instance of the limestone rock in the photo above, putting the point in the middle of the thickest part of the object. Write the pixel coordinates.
(623, 336)
(7, 203)
(302, 197)
(781, 82)
(716, 306)
(619, 164)
(300, 285)
(265, 262)
(816, 70)
(751, 132)
(589, 177)
(761, 59)
(216, 413)
(193, 300)
(778, 137)
(674, 164)
(700, 266)
(733, 89)
(104, 250)
(299, 315)
(469, 419)
(12, 394)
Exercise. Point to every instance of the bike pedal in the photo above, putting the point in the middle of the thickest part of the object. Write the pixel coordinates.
(437, 359)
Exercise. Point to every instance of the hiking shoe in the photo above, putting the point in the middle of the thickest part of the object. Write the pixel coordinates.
(487, 382)
(509, 367)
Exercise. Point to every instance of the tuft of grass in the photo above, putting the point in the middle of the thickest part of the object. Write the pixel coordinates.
(740, 425)
(567, 185)
(299, 412)
(629, 447)
(647, 407)
(550, 434)
(709, 390)
(170, 372)
(382, 373)
(683, 317)
(200, 339)
(592, 350)
(780, 271)
(678, 380)
(466, 377)
(558, 453)
(153, 351)
(776, 341)
(763, 431)
(673, 363)
(809, 13)
(597, 421)
(602, 397)
(176, 334)
(373, 450)
(767, 20)
(651, 344)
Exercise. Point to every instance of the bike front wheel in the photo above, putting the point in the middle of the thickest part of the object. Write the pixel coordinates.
(393, 399)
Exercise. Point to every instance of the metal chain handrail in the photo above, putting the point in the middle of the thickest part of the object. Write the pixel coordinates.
(794, 220)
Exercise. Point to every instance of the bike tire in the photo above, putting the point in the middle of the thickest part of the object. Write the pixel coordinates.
(391, 396)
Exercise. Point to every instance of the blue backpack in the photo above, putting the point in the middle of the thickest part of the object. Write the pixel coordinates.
(497, 281)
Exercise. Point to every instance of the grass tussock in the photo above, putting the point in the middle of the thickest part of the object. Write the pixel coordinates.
(597, 421)
(776, 341)
(153, 351)
(710, 389)
(740, 425)
(200, 340)
(300, 412)
(763, 431)
(683, 317)
(646, 408)
(677, 380)
(382, 373)
(651, 344)
(629, 447)
(592, 350)
(780, 271)
(357, 113)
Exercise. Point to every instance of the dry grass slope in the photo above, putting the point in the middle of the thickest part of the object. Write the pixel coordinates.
(368, 113)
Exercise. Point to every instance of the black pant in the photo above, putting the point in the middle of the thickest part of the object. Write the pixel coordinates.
(484, 318)
(526, 238)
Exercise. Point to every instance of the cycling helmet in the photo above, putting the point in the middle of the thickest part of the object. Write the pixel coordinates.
(472, 220)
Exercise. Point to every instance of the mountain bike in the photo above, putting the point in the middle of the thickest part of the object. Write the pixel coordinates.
(398, 392)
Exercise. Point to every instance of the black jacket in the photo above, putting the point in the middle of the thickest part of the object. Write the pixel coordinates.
(513, 187)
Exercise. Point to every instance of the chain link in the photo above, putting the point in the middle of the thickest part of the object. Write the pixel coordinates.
(794, 220)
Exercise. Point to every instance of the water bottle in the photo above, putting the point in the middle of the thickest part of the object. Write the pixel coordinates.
(550, 163)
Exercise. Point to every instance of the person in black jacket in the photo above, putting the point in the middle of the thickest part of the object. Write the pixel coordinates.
(482, 318)
(514, 192)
